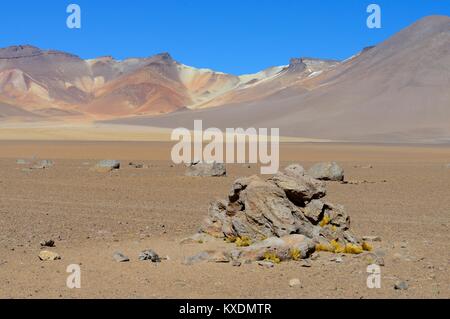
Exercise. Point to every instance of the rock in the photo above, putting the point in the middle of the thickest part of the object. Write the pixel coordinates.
(371, 238)
(300, 190)
(120, 258)
(327, 172)
(337, 259)
(305, 263)
(46, 255)
(236, 263)
(135, 165)
(291, 247)
(314, 211)
(294, 282)
(295, 170)
(206, 169)
(401, 285)
(149, 255)
(107, 166)
(44, 164)
(266, 264)
(47, 243)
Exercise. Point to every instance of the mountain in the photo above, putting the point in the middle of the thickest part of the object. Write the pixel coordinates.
(397, 91)
(59, 85)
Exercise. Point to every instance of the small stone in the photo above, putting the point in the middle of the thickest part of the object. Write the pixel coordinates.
(337, 259)
(266, 264)
(401, 285)
(305, 263)
(120, 258)
(236, 263)
(294, 282)
(46, 255)
(149, 255)
(47, 243)
(371, 238)
(44, 164)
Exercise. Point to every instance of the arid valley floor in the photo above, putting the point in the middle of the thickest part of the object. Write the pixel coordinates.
(91, 215)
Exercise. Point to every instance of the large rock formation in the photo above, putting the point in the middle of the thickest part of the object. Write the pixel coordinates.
(285, 216)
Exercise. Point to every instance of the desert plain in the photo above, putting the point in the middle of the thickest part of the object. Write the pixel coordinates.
(400, 194)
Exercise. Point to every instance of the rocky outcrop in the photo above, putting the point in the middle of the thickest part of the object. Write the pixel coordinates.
(284, 217)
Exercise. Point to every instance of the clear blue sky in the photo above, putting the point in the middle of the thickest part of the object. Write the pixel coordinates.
(235, 36)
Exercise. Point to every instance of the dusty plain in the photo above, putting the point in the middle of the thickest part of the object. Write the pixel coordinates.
(91, 215)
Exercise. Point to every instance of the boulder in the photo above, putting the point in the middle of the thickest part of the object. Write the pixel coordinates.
(201, 169)
(327, 171)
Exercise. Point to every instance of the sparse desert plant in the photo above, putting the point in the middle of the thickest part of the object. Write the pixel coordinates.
(243, 241)
(366, 246)
(272, 257)
(295, 254)
(325, 221)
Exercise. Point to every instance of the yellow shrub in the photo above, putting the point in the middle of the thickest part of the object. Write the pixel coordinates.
(325, 221)
(325, 247)
(272, 257)
(353, 249)
(296, 254)
(243, 241)
(367, 246)
(338, 248)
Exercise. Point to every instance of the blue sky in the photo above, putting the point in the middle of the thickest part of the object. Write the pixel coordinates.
(235, 36)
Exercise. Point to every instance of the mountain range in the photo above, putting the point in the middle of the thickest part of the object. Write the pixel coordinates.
(396, 91)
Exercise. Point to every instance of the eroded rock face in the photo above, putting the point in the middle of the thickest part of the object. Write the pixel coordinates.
(327, 172)
(206, 169)
(286, 215)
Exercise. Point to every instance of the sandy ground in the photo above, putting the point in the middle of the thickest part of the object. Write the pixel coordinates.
(92, 215)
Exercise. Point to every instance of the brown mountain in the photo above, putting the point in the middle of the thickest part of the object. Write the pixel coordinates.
(53, 84)
(398, 91)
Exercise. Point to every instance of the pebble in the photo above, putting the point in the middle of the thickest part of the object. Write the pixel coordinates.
(46, 255)
(401, 285)
(120, 258)
(294, 282)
